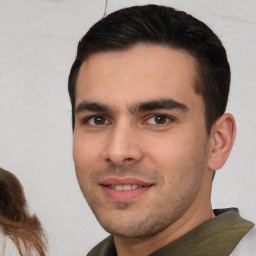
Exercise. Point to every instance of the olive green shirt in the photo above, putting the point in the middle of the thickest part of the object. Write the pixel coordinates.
(215, 237)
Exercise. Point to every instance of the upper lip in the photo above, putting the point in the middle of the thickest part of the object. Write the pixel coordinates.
(115, 181)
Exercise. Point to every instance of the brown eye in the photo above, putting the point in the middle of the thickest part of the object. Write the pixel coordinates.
(98, 120)
(158, 119)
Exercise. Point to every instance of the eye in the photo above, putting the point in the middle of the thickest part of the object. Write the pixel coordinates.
(159, 119)
(97, 120)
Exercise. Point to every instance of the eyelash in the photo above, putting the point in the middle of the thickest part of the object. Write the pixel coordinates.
(167, 120)
(87, 119)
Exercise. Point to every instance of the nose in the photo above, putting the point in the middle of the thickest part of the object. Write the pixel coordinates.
(123, 146)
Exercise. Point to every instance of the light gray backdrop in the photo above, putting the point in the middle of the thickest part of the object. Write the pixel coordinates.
(38, 41)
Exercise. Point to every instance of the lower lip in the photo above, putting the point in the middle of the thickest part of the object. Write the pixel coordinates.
(124, 195)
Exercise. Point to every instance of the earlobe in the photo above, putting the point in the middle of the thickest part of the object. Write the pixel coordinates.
(222, 138)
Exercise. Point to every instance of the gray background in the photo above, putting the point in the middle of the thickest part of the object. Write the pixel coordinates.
(38, 41)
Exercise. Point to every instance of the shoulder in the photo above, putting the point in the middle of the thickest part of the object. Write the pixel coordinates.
(105, 248)
(7, 248)
(247, 245)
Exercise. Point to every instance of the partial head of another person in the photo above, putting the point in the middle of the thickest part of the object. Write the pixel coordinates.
(17, 224)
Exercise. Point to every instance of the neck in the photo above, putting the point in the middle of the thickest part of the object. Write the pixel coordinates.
(146, 245)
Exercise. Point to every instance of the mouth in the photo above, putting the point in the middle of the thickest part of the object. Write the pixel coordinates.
(124, 189)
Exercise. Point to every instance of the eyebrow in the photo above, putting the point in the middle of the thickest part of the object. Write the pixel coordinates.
(91, 106)
(136, 108)
(159, 104)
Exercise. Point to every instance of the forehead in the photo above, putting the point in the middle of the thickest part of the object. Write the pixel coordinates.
(143, 72)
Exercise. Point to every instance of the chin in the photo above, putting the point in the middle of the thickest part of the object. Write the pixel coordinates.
(130, 226)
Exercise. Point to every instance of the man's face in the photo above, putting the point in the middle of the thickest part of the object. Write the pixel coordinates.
(140, 142)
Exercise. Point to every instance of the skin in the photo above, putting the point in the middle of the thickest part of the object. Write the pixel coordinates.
(139, 121)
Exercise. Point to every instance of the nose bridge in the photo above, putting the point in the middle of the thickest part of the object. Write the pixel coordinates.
(123, 144)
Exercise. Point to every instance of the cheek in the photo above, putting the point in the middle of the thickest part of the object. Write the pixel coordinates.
(178, 158)
(85, 155)
(84, 148)
(171, 150)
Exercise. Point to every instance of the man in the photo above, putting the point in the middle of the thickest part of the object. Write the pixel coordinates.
(149, 88)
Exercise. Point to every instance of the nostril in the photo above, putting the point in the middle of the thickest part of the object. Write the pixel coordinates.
(128, 159)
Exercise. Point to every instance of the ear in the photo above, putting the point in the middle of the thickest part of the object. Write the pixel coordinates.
(222, 135)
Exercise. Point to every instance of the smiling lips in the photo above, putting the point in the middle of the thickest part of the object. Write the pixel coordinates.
(124, 189)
